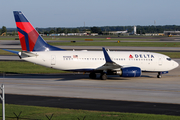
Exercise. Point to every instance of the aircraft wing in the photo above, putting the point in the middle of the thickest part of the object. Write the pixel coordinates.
(109, 65)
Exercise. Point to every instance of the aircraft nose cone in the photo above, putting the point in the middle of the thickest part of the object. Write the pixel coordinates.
(175, 64)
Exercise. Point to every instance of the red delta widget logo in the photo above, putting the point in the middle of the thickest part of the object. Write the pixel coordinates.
(141, 56)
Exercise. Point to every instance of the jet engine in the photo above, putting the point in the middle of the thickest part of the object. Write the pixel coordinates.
(127, 72)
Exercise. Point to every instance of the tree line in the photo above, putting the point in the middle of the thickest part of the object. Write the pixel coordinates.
(104, 29)
(101, 30)
(69, 30)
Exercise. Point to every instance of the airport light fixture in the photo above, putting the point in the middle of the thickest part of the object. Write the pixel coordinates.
(3, 102)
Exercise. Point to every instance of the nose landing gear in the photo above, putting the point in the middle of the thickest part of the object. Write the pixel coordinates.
(159, 75)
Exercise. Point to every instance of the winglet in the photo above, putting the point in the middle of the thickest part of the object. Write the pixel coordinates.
(106, 55)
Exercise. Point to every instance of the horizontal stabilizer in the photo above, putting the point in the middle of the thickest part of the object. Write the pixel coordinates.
(12, 51)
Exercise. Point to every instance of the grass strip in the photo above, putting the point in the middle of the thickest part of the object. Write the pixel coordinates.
(98, 39)
(39, 113)
(171, 54)
(25, 67)
(8, 37)
(82, 38)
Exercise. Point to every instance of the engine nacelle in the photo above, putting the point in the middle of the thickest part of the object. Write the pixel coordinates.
(126, 72)
(130, 72)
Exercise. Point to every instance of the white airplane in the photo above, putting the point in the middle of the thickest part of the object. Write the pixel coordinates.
(125, 64)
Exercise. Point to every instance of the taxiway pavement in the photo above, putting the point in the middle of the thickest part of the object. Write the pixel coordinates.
(146, 88)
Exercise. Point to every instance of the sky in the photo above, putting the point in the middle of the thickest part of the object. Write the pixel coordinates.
(76, 13)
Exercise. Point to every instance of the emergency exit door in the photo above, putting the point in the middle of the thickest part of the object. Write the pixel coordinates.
(53, 60)
(160, 61)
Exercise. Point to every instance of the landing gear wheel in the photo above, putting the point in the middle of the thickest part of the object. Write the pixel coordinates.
(92, 75)
(103, 76)
(159, 76)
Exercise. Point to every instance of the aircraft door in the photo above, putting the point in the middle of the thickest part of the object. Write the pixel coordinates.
(160, 61)
(53, 60)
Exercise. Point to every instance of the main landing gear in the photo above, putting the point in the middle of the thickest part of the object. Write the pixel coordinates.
(103, 76)
(92, 75)
(159, 75)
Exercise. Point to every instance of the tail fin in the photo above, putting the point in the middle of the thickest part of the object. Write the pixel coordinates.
(29, 37)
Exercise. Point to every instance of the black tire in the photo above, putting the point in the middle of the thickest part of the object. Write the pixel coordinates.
(92, 75)
(103, 76)
(159, 76)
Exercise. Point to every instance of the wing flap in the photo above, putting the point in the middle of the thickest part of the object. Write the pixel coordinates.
(109, 66)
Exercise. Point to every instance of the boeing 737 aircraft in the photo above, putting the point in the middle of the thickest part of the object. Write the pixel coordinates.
(124, 64)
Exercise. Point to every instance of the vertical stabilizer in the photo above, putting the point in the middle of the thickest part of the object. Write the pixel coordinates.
(29, 37)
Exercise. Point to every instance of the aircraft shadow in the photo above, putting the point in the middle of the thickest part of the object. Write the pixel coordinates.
(86, 77)
(66, 76)
(147, 76)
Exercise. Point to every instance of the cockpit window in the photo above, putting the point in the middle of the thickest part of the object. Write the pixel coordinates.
(169, 59)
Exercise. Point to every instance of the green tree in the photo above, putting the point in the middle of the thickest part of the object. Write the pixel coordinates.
(14, 33)
(96, 30)
(3, 30)
(76, 30)
(59, 30)
(46, 32)
(51, 31)
(69, 30)
(64, 31)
